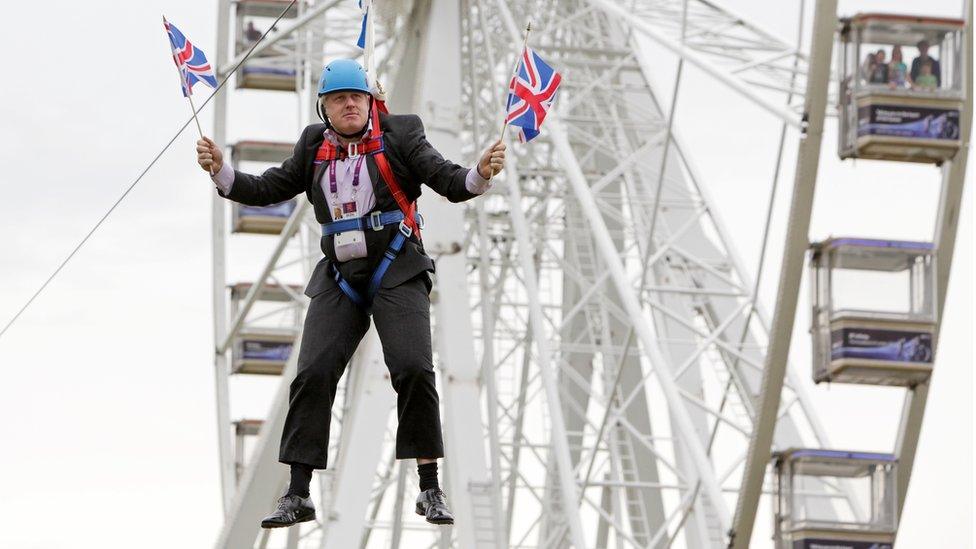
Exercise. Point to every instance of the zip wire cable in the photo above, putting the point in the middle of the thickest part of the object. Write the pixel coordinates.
(141, 175)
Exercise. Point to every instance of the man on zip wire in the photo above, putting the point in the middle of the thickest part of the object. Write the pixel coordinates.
(351, 168)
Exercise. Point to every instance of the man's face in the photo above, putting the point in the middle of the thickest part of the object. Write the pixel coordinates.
(923, 49)
(347, 110)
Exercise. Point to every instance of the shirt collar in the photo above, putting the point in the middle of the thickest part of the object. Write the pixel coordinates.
(330, 135)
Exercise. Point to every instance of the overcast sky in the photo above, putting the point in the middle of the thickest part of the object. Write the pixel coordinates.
(107, 400)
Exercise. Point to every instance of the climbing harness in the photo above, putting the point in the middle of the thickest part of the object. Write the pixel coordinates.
(408, 219)
(329, 151)
(375, 221)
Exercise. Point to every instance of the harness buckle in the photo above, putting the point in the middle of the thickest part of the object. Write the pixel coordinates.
(352, 150)
(420, 224)
(374, 221)
(405, 229)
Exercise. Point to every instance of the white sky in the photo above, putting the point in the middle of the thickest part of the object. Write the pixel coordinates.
(107, 392)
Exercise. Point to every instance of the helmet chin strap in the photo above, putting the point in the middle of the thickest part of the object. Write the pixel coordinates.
(351, 135)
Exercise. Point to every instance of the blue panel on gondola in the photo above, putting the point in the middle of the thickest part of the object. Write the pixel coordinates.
(838, 544)
(880, 344)
(841, 454)
(908, 121)
(284, 209)
(876, 243)
(266, 350)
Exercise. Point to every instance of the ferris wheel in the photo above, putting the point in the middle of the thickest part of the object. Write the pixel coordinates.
(607, 374)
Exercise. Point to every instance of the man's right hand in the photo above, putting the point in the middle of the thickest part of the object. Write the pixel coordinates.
(209, 156)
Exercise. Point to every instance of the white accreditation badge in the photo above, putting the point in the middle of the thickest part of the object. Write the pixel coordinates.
(350, 244)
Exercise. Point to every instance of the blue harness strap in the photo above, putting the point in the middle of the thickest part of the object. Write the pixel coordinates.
(347, 288)
(375, 221)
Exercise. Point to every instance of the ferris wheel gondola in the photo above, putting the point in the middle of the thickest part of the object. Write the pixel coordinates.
(891, 109)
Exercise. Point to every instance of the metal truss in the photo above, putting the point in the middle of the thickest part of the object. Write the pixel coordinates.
(944, 235)
(628, 313)
(797, 242)
(745, 57)
(600, 350)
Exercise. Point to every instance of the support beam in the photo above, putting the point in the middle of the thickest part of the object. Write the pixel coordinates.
(218, 255)
(946, 226)
(361, 447)
(435, 94)
(642, 326)
(791, 272)
(559, 440)
(264, 477)
(737, 85)
(398, 505)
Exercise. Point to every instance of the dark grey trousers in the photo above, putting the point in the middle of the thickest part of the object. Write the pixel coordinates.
(334, 326)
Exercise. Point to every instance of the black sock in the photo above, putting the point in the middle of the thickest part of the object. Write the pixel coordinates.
(301, 477)
(428, 475)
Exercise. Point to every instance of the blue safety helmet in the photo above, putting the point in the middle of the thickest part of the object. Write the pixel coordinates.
(343, 75)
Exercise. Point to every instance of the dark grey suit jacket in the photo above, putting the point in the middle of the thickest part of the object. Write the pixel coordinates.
(413, 160)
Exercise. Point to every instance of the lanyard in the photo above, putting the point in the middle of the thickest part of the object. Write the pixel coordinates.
(333, 187)
(339, 210)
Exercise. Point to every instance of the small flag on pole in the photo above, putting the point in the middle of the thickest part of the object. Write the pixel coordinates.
(530, 94)
(190, 60)
(362, 31)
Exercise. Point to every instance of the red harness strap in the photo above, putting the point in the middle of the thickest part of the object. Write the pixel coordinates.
(328, 152)
(374, 145)
(407, 207)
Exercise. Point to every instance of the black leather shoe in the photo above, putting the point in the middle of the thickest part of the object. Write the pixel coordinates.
(292, 509)
(432, 504)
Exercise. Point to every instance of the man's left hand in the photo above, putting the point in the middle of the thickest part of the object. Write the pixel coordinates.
(492, 161)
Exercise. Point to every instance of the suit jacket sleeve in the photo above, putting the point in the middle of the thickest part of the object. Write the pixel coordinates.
(276, 184)
(428, 166)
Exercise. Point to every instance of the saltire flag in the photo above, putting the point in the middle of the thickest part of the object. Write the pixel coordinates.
(190, 60)
(362, 31)
(530, 94)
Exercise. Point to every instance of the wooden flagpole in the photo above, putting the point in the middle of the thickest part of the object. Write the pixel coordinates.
(199, 129)
(518, 59)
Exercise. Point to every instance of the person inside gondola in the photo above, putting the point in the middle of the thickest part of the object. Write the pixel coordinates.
(923, 56)
(879, 74)
(252, 33)
(926, 80)
(897, 70)
(867, 67)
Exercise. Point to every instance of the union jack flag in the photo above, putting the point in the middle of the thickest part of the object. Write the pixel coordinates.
(190, 60)
(530, 94)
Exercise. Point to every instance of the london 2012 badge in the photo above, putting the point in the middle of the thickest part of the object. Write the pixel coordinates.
(349, 209)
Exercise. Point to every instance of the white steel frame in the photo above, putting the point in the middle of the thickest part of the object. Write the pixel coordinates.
(709, 534)
(602, 380)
